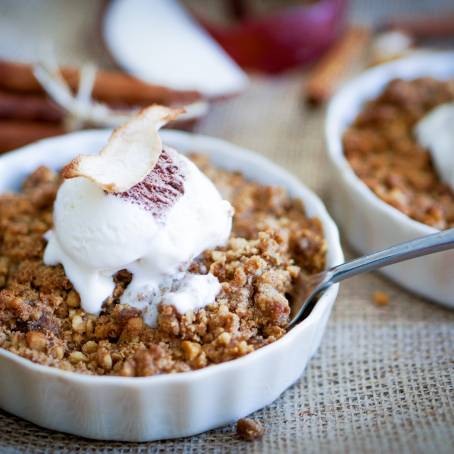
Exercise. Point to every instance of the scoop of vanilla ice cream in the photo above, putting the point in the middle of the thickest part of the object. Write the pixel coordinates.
(96, 234)
(435, 131)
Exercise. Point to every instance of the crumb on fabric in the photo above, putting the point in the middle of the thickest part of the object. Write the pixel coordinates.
(381, 298)
(248, 429)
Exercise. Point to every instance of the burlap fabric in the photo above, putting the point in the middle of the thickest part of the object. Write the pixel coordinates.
(383, 379)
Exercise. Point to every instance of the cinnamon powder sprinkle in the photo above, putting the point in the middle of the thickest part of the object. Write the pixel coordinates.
(40, 315)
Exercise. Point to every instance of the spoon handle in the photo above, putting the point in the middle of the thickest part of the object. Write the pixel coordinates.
(415, 248)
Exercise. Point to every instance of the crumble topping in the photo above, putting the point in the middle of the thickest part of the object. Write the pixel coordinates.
(272, 242)
(383, 151)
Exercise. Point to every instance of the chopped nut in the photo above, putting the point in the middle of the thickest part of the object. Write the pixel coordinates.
(104, 359)
(36, 315)
(201, 360)
(135, 325)
(77, 338)
(77, 357)
(58, 352)
(224, 338)
(90, 347)
(244, 348)
(249, 430)
(73, 299)
(223, 310)
(78, 324)
(89, 326)
(36, 341)
(116, 356)
(128, 369)
(381, 298)
(4, 265)
(191, 350)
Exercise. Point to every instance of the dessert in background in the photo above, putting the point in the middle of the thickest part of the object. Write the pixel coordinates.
(399, 145)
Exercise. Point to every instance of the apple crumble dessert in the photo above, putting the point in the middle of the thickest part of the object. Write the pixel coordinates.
(248, 278)
(401, 145)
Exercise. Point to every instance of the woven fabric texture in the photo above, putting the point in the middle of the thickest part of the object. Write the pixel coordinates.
(383, 378)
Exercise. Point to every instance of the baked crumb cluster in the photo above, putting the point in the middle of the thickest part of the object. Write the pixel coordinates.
(41, 319)
(249, 430)
(384, 153)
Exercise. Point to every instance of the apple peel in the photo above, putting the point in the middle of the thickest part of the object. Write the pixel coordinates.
(130, 154)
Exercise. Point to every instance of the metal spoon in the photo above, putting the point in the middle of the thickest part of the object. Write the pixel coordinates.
(314, 286)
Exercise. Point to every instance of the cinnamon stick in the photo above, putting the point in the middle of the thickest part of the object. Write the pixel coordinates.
(328, 72)
(424, 27)
(14, 134)
(29, 108)
(110, 86)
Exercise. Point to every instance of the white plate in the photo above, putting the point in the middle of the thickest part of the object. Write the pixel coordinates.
(165, 406)
(370, 223)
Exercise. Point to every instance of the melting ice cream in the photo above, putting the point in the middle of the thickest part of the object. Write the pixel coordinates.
(435, 131)
(153, 227)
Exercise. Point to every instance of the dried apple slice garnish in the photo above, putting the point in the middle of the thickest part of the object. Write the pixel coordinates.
(130, 154)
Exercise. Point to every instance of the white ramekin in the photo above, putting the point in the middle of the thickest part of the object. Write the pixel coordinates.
(368, 222)
(166, 406)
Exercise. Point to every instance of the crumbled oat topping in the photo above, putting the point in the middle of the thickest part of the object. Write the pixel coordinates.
(40, 315)
(383, 152)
